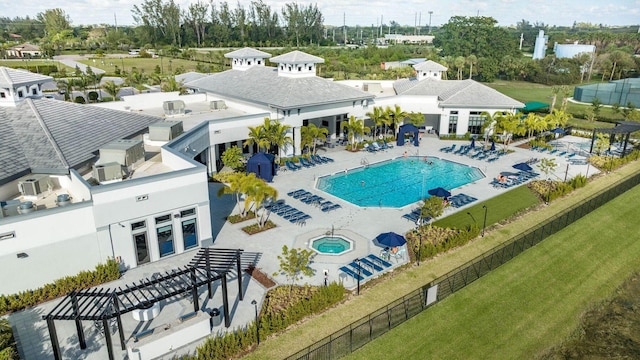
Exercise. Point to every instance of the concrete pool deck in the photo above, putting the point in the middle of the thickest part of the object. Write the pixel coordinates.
(359, 224)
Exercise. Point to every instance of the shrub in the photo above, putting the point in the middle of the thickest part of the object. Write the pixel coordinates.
(85, 279)
(437, 240)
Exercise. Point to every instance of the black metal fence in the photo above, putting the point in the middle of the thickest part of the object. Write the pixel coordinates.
(364, 330)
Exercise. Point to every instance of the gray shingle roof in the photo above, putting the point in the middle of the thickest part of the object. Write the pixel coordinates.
(296, 57)
(263, 85)
(52, 136)
(189, 76)
(429, 65)
(247, 52)
(10, 77)
(465, 93)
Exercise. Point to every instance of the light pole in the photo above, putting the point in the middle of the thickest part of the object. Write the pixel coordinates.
(357, 261)
(255, 305)
(472, 218)
(420, 244)
(548, 190)
(484, 224)
(430, 12)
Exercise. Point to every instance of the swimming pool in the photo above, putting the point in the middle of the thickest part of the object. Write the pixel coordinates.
(398, 182)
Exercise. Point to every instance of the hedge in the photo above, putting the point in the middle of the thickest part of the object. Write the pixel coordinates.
(436, 240)
(85, 279)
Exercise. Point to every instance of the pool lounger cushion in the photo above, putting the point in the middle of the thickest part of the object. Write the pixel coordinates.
(350, 272)
(371, 264)
(379, 260)
(357, 267)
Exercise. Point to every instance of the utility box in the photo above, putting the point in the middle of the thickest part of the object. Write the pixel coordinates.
(108, 172)
(123, 152)
(173, 107)
(218, 105)
(165, 130)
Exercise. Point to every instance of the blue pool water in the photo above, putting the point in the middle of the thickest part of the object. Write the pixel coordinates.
(331, 245)
(398, 182)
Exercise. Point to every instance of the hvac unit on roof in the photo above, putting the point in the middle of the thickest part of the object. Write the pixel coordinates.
(107, 172)
(34, 186)
(218, 105)
(173, 107)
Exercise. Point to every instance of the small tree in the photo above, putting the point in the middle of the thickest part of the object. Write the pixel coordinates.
(232, 157)
(547, 166)
(294, 263)
(431, 208)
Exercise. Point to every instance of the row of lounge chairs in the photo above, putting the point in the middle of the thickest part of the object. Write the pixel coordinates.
(365, 267)
(307, 163)
(476, 153)
(553, 151)
(312, 199)
(414, 216)
(520, 178)
(377, 146)
(460, 200)
(287, 212)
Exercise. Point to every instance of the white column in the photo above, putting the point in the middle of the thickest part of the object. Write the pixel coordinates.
(296, 141)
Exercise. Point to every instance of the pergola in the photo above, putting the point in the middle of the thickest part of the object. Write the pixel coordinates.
(622, 127)
(100, 304)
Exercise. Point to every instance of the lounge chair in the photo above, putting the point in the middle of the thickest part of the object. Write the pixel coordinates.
(306, 162)
(301, 195)
(351, 273)
(291, 166)
(371, 264)
(379, 260)
(295, 192)
(357, 267)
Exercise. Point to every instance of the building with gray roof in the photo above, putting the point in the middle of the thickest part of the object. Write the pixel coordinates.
(17, 85)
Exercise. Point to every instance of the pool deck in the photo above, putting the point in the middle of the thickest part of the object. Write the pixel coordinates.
(359, 224)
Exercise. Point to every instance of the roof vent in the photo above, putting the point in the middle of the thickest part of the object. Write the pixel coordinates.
(26, 207)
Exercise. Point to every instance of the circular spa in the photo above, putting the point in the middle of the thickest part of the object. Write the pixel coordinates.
(331, 245)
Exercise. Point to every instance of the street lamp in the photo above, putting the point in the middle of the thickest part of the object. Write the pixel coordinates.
(430, 12)
(420, 244)
(484, 224)
(357, 261)
(548, 190)
(472, 218)
(255, 305)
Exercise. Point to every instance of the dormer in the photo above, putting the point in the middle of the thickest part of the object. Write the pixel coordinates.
(17, 85)
(429, 70)
(297, 64)
(246, 58)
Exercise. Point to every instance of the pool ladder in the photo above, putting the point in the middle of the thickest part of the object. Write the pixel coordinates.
(364, 162)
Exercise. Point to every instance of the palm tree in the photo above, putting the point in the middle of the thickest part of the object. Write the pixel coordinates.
(554, 92)
(311, 134)
(615, 57)
(416, 118)
(258, 137)
(67, 86)
(258, 191)
(510, 125)
(534, 123)
(278, 135)
(235, 186)
(395, 116)
(355, 127)
(459, 63)
(557, 118)
(170, 84)
(488, 127)
(111, 88)
(566, 92)
(471, 60)
(377, 116)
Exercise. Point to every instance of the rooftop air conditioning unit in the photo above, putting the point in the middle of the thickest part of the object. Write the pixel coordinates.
(108, 172)
(34, 185)
(173, 107)
(218, 105)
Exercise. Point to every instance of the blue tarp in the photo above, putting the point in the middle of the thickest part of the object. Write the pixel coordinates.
(408, 128)
(262, 165)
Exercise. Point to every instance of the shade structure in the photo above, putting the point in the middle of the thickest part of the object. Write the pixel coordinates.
(390, 239)
(493, 145)
(558, 131)
(408, 128)
(473, 143)
(522, 167)
(262, 165)
(439, 192)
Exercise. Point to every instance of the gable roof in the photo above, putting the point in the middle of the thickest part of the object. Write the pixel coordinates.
(297, 57)
(262, 85)
(429, 65)
(10, 77)
(25, 47)
(189, 76)
(247, 52)
(462, 93)
(51, 136)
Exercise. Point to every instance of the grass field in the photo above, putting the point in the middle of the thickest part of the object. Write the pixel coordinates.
(498, 209)
(401, 283)
(530, 303)
(145, 64)
(18, 63)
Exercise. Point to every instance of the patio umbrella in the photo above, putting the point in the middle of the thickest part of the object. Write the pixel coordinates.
(558, 131)
(522, 167)
(390, 239)
(493, 145)
(473, 143)
(439, 192)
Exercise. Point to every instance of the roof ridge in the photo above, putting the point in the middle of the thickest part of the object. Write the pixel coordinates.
(47, 133)
(5, 73)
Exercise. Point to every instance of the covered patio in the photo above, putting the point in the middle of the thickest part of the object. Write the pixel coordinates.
(622, 128)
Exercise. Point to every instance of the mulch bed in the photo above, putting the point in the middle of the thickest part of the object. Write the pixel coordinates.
(260, 277)
(254, 229)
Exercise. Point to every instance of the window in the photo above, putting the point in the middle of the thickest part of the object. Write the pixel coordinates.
(34, 91)
(3, 95)
(190, 212)
(310, 68)
(299, 68)
(259, 62)
(249, 62)
(165, 235)
(138, 225)
(189, 234)
(325, 123)
(453, 122)
(476, 120)
(20, 93)
(139, 230)
(298, 111)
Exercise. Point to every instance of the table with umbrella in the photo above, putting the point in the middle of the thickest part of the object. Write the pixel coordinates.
(390, 240)
(522, 167)
(439, 192)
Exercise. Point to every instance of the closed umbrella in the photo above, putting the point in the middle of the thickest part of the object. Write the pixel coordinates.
(390, 239)
(522, 167)
(439, 192)
(493, 145)
(473, 143)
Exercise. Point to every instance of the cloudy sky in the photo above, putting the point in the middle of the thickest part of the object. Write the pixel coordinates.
(367, 13)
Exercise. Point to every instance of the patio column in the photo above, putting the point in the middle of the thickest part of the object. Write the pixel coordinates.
(79, 329)
(55, 346)
(297, 136)
(225, 301)
(107, 338)
(194, 290)
(119, 321)
(239, 270)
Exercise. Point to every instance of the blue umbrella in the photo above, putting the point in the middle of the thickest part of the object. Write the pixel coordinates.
(390, 239)
(522, 167)
(439, 192)
(493, 145)
(473, 143)
(558, 131)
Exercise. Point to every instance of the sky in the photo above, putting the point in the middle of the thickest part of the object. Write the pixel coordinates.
(371, 12)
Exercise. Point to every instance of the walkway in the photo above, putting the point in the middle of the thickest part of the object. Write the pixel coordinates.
(70, 61)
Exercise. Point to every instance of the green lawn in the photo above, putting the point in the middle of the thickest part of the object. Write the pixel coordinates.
(23, 63)
(145, 64)
(530, 303)
(498, 209)
(400, 283)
